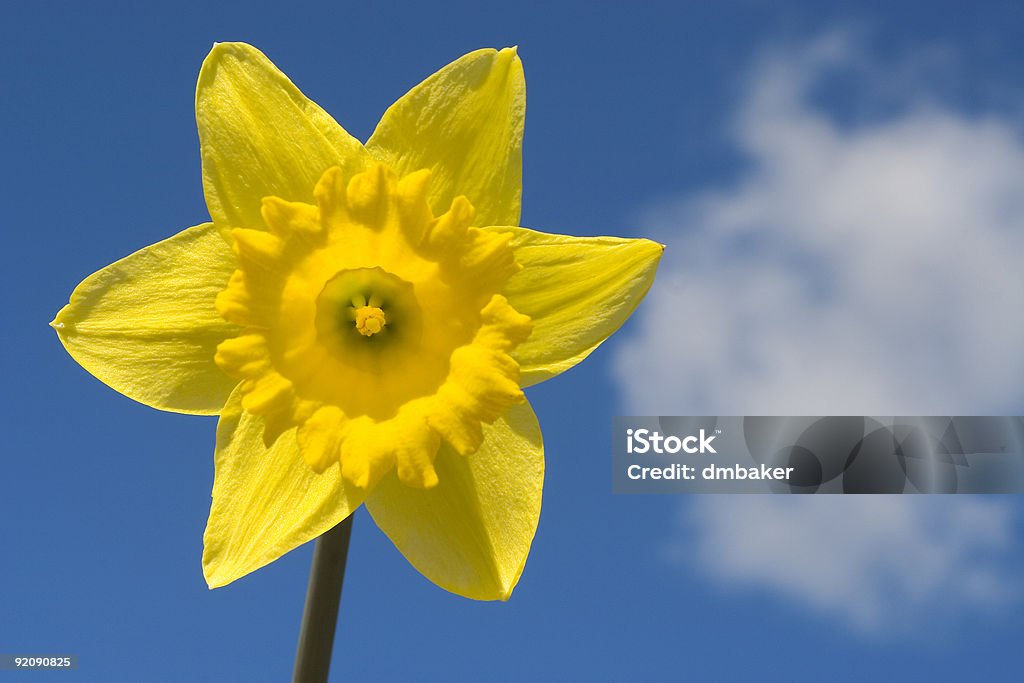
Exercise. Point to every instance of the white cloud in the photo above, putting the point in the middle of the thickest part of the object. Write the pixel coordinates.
(852, 269)
(871, 561)
(874, 270)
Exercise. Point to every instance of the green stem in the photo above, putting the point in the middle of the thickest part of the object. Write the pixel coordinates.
(320, 616)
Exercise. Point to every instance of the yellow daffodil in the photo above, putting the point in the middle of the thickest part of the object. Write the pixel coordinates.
(362, 318)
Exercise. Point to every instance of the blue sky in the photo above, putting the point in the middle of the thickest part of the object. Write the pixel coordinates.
(840, 191)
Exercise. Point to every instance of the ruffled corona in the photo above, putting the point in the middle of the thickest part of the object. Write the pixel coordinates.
(374, 327)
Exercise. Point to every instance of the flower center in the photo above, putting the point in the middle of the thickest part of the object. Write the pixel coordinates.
(362, 313)
(369, 320)
(373, 326)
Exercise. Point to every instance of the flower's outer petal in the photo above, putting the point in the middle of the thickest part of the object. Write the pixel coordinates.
(577, 290)
(471, 533)
(146, 325)
(465, 124)
(260, 137)
(266, 501)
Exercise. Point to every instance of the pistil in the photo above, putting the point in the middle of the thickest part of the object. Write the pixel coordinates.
(369, 320)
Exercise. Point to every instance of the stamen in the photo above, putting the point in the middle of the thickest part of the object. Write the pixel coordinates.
(369, 320)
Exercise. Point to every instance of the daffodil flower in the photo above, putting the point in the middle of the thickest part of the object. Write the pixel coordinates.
(362, 318)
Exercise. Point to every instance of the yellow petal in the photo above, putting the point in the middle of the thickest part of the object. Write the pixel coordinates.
(471, 533)
(147, 327)
(465, 124)
(577, 291)
(266, 502)
(260, 136)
